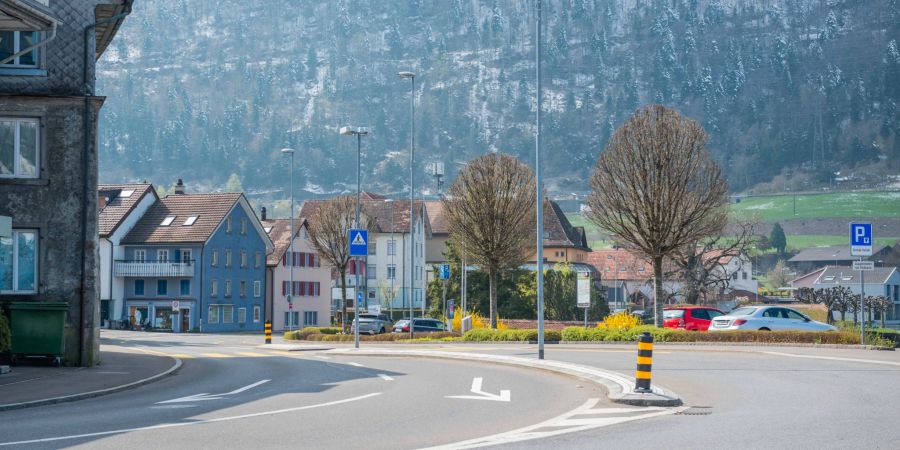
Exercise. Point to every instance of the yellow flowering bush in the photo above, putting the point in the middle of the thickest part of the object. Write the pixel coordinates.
(620, 321)
(478, 321)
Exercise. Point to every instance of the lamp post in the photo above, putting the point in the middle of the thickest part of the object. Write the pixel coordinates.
(540, 191)
(412, 152)
(290, 324)
(359, 133)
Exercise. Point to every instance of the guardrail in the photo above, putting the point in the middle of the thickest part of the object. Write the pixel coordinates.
(153, 269)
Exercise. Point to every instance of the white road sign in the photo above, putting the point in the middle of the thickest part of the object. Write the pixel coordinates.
(584, 290)
(864, 265)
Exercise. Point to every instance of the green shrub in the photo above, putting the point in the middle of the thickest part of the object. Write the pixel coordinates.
(5, 336)
(480, 335)
(575, 334)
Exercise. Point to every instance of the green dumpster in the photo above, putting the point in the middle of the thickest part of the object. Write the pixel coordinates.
(37, 329)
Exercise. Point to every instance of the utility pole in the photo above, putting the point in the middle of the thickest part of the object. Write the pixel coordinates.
(540, 190)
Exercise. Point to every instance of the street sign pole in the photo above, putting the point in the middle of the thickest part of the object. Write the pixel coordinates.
(862, 305)
(861, 240)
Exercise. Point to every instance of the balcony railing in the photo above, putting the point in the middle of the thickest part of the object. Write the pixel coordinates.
(153, 269)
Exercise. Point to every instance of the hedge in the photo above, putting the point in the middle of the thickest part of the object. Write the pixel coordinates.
(487, 334)
(386, 337)
(672, 335)
(302, 334)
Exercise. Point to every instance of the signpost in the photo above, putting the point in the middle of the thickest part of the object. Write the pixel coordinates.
(584, 293)
(445, 271)
(861, 245)
(450, 306)
(359, 242)
(864, 266)
(359, 247)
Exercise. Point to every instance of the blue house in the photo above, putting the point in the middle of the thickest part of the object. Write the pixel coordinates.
(195, 262)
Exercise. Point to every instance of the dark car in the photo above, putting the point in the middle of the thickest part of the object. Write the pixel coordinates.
(420, 325)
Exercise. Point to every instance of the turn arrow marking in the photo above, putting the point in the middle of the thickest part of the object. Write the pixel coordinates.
(481, 395)
(207, 396)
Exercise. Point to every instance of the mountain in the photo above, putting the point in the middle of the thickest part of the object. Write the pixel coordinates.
(203, 89)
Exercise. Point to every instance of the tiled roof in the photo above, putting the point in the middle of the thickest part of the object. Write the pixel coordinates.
(560, 231)
(826, 254)
(210, 209)
(619, 265)
(117, 207)
(279, 231)
(838, 275)
(391, 216)
(435, 211)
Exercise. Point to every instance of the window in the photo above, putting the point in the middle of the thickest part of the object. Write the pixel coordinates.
(243, 258)
(391, 272)
(126, 193)
(138, 287)
(19, 150)
(640, 269)
(189, 221)
(227, 314)
(794, 315)
(228, 288)
(167, 221)
(18, 262)
(257, 288)
(162, 255)
(227, 257)
(242, 315)
(267, 230)
(214, 258)
(186, 255)
(185, 288)
(228, 225)
(243, 226)
(12, 42)
(370, 272)
(214, 287)
(256, 314)
(213, 314)
(372, 246)
(311, 318)
(140, 255)
(744, 275)
(242, 288)
(701, 314)
(392, 247)
(291, 318)
(734, 276)
(258, 261)
(162, 287)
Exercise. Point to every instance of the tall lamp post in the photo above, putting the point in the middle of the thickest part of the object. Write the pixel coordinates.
(290, 324)
(412, 151)
(540, 191)
(359, 133)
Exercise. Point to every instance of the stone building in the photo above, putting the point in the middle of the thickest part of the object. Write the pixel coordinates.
(48, 157)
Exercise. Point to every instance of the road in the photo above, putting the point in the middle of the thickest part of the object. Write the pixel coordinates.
(772, 397)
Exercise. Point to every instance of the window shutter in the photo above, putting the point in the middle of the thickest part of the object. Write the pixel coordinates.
(284, 260)
(302, 259)
(284, 287)
(302, 288)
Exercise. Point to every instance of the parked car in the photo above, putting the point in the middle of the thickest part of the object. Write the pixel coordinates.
(420, 325)
(693, 318)
(767, 318)
(373, 323)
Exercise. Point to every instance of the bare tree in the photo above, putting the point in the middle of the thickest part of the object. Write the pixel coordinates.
(329, 231)
(701, 265)
(491, 207)
(656, 189)
(777, 278)
(880, 304)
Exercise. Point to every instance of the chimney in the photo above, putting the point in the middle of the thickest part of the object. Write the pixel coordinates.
(179, 187)
(262, 213)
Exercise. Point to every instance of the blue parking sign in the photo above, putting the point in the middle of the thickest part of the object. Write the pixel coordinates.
(359, 242)
(445, 271)
(861, 239)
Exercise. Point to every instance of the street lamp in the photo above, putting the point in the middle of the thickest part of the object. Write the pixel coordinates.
(359, 133)
(290, 324)
(540, 191)
(412, 151)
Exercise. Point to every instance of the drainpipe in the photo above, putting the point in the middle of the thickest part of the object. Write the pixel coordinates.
(33, 47)
(86, 121)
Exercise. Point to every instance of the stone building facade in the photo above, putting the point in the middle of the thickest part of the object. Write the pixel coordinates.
(48, 158)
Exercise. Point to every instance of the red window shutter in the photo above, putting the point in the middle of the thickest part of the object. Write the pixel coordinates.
(302, 259)
(351, 268)
(284, 260)
(284, 287)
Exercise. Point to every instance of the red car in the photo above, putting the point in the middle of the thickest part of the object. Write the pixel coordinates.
(695, 318)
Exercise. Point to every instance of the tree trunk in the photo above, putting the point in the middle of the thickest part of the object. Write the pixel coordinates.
(658, 298)
(343, 299)
(492, 283)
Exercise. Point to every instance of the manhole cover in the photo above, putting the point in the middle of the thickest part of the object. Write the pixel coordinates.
(696, 411)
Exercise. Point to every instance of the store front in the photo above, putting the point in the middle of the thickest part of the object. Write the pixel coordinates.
(161, 315)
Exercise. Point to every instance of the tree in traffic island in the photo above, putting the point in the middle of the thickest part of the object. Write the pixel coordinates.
(491, 209)
(656, 189)
(329, 231)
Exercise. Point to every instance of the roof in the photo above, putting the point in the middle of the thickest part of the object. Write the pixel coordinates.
(391, 216)
(435, 211)
(279, 231)
(25, 15)
(106, 30)
(117, 206)
(618, 264)
(826, 254)
(840, 275)
(210, 209)
(807, 280)
(560, 231)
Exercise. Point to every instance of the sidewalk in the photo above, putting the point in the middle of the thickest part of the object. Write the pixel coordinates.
(38, 383)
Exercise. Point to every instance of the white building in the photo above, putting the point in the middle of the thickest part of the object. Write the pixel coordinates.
(883, 281)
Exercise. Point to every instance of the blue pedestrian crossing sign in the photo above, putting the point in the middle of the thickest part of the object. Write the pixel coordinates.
(445, 271)
(861, 239)
(359, 242)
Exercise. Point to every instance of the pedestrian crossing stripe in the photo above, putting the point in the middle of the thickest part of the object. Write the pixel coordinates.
(182, 356)
(358, 240)
(252, 354)
(217, 355)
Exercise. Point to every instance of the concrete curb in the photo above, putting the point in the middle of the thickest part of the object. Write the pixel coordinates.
(83, 395)
(620, 389)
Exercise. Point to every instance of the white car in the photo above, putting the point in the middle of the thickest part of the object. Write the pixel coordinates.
(767, 318)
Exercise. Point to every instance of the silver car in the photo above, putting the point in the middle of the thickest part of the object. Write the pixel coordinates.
(767, 318)
(373, 323)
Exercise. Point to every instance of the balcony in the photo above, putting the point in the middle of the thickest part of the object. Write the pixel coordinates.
(153, 269)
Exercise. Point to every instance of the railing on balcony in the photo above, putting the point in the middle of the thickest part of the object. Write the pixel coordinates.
(154, 269)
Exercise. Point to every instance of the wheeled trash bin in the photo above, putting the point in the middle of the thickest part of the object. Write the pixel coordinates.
(37, 330)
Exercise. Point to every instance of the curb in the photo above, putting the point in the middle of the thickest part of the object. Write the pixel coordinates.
(619, 387)
(81, 396)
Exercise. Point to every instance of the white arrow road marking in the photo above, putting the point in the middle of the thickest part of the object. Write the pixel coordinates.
(207, 396)
(476, 389)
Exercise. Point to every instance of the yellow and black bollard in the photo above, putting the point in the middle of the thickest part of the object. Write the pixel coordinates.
(268, 332)
(644, 361)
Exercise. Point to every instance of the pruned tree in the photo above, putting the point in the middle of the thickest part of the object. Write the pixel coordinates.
(329, 231)
(882, 305)
(701, 266)
(656, 189)
(491, 208)
(837, 298)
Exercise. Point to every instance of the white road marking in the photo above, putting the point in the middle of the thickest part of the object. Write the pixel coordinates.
(355, 364)
(192, 422)
(834, 358)
(323, 357)
(385, 377)
(207, 396)
(481, 395)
